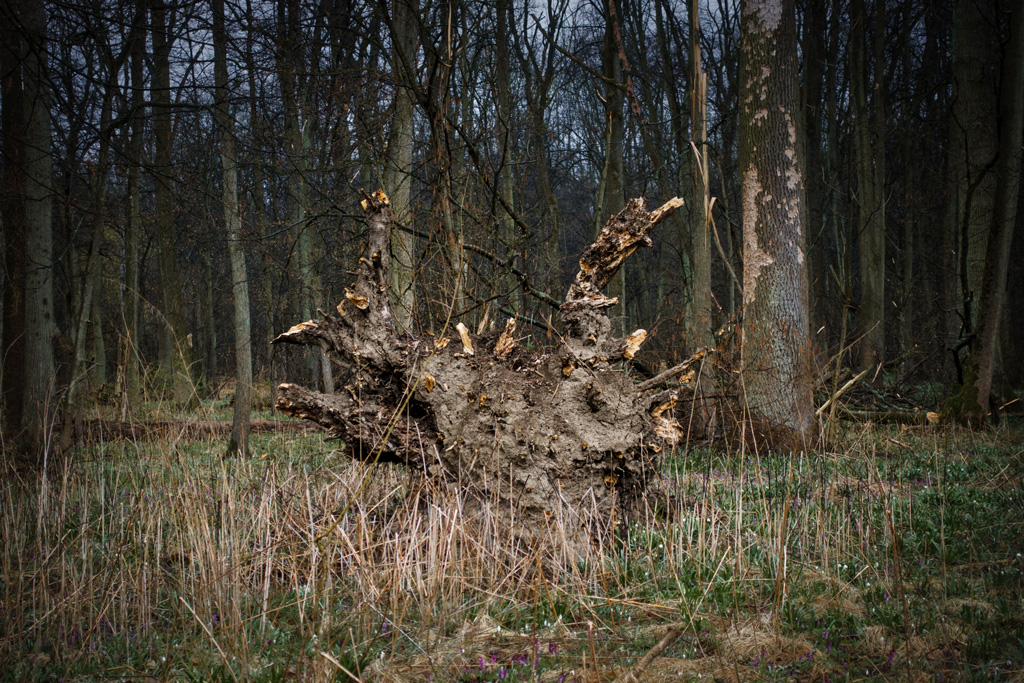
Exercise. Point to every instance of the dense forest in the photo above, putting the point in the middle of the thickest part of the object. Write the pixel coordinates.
(181, 181)
(644, 340)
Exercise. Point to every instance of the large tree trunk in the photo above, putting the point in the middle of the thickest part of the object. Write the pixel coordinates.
(12, 210)
(776, 347)
(561, 446)
(398, 171)
(39, 312)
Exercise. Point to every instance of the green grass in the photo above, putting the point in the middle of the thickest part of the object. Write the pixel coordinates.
(895, 555)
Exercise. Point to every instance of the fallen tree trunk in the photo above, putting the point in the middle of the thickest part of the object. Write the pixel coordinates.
(561, 446)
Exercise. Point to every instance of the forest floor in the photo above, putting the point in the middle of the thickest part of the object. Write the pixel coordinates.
(894, 554)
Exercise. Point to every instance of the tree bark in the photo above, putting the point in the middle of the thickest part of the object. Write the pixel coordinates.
(813, 47)
(289, 67)
(973, 145)
(239, 441)
(698, 321)
(39, 311)
(974, 398)
(612, 195)
(775, 345)
(91, 276)
(179, 356)
(560, 446)
(869, 133)
(133, 229)
(398, 170)
(12, 206)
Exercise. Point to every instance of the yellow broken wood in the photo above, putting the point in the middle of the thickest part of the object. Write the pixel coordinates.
(507, 341)
(634, 342)
(360, 302)
(467, 345)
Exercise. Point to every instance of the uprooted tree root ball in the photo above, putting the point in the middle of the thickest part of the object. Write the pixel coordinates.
(562, 446)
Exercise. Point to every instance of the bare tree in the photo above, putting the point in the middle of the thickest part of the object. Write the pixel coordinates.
(973, 402)
(239, 443)
(37, 400)
(869, 134)
(177, 354)
(12, 57)
(398, 169)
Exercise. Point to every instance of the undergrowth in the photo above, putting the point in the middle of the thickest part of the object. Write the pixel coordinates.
(894, 555)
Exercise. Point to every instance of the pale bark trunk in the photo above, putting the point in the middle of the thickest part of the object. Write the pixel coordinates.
(239, 442)
(698, 321)
(130, 352)
(88, 310)
(296, 152)
(775, 345)
(397, 178)
(96, 340)
(259, 206)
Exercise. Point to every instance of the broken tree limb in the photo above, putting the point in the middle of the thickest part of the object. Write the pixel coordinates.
(842, 390)
(665, 378)
(561, 446)
(672, 634)
(908, 417)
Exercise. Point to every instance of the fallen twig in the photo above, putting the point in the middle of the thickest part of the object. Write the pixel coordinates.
(633, 675)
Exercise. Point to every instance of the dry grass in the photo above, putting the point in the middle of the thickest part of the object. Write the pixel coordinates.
(159, 560)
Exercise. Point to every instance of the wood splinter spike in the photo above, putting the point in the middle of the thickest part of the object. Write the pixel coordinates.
(507, 341)
(467, 345)
(634, 342)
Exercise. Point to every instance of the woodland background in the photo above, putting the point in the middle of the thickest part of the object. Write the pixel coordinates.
(505, 133)
(181, 183)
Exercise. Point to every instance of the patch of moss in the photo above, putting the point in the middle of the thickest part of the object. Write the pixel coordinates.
(962, 406)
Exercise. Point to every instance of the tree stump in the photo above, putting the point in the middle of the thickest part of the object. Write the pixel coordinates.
(561, 446)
